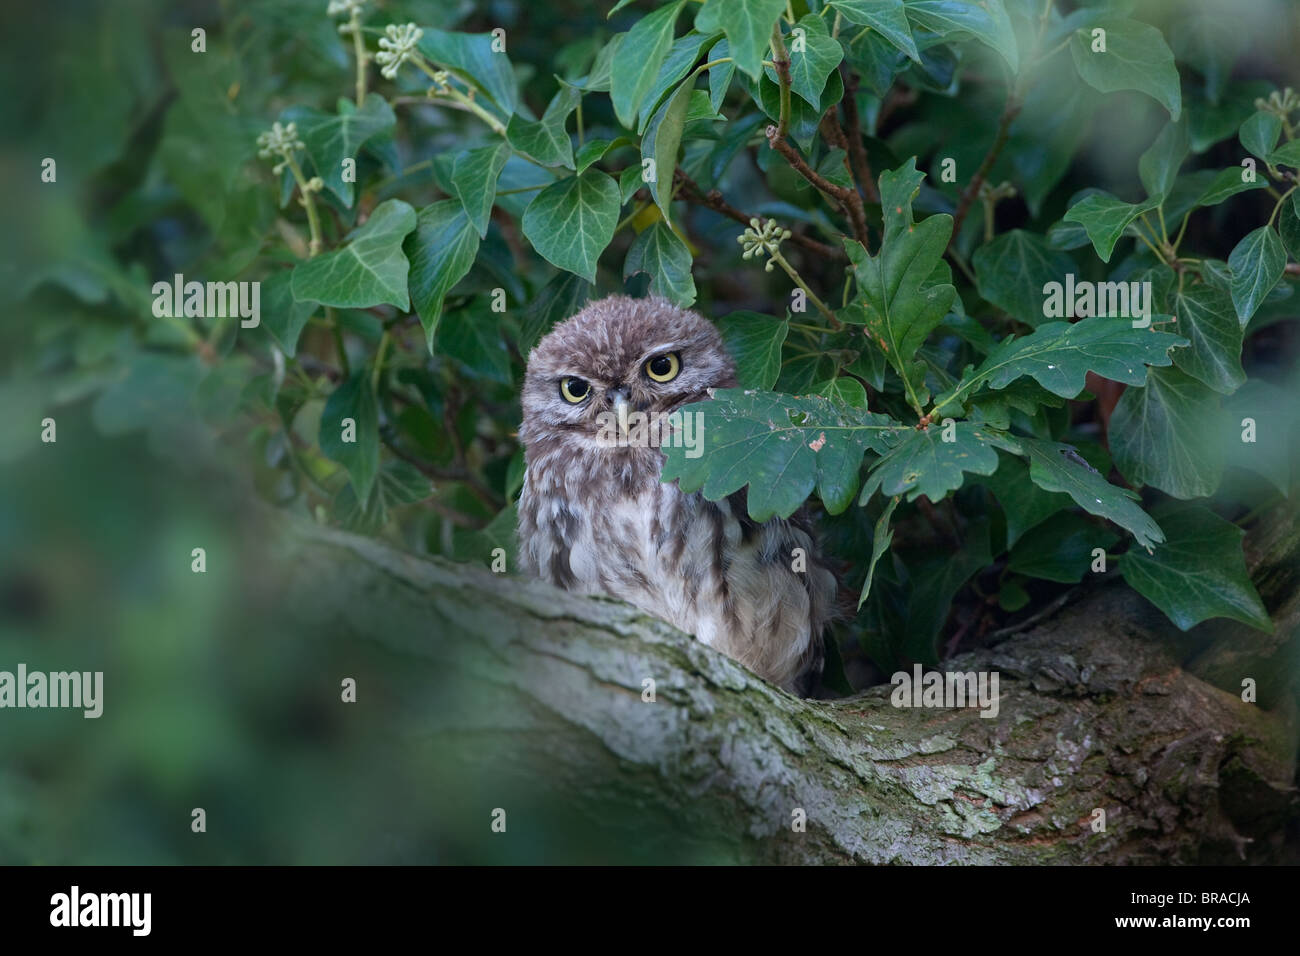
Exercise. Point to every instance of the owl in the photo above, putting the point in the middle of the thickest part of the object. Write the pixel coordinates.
(594, 516)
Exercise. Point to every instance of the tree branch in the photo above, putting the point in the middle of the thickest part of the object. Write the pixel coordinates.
(848, 198)
(690, 191)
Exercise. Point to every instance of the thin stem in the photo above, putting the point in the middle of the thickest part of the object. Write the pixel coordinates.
(309, 203)
(379, 361)
(1181, 229)
(467, 103)
(782, 60)
(359, 48)
(780, 260)
(1278, 204)
(344, 366)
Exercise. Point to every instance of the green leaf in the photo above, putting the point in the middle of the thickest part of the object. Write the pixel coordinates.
(399, 483)
(369, 270)
(632, 74)
(1205, 316)
(781, 446)
(720, 75)
(330, 139)
(986, 21)
(935, 582)
(1059, 468)
(1136, 58)
(1105, 219)
(881, 539)
(442, 250)
(1059, 355)
(683, 55)
(1288, 154)
(662, 255)
(470, 57)
(1024, 504)
(1229, 182)
(563, 296)
(923, 463)
(748, 25)
(813, 62)
(1289, 225)
(1198, 573)
(1158, 166)
(352, 412)
(572, 221)
(474, 180)
(663, 136)
(886, 17)
(1158, 435)
(472, 336)
(282, 316)
(1012, 270)
(754, 341)
(546, 139)
(902, 304)
(1259, 132)
(1257, 264)
(1060, 549)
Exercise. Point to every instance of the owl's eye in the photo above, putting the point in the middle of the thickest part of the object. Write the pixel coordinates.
(663, 368)
(574, 389)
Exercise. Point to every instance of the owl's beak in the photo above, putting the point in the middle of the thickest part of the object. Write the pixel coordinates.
(621, 407)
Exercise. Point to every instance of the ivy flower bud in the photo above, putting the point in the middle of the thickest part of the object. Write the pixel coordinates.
(396, 46)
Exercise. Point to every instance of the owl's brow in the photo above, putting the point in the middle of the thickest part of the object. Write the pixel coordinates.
(671, 346)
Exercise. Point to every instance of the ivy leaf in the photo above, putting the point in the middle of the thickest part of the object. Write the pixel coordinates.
(661, 254)
(813, 62)
(924, 463)
(1256, 264)
(1060, 549)
(352, 412)
(572, 221)
(902, 304)
(935, 582)
(1060, 468)
(546, 140)
(330, 139)
(560, 298)
(282, 316)
(442, 250)
(986, 21)
(721, 74)
(1059, 355)
(1158, 166)
(369, 270)
(683, 54)
(1274, 417)
(886, 17)
(1229, 182)
(1259, 132)
(754, 341)
(1105, 219)
(881, 539)
(632, 74)
(781, 446)
(474, 180)
(748, 25)
(1289, 225)
(663, 136)
(1157, 435)
(1198, 573)
(1012, 270)
(470, 57)
(472, 336)
(399, 483)
(1205, 315)
(1288, 154)
(1136, 58)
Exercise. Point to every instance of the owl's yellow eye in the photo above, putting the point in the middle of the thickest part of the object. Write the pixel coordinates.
(663, 368)
(574, 389)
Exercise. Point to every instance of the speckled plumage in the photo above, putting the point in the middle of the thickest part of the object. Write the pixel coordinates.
(597, 519)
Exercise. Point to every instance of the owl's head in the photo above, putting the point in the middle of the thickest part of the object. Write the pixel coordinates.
(647, 355)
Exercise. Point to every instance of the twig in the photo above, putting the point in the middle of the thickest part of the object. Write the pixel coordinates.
(692, 193)
(857, 151)
(848, 198)
(1009, 113)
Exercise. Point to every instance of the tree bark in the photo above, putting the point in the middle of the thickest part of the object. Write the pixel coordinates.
(1096, 713)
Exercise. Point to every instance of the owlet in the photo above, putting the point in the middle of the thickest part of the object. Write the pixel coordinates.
(594, 516)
